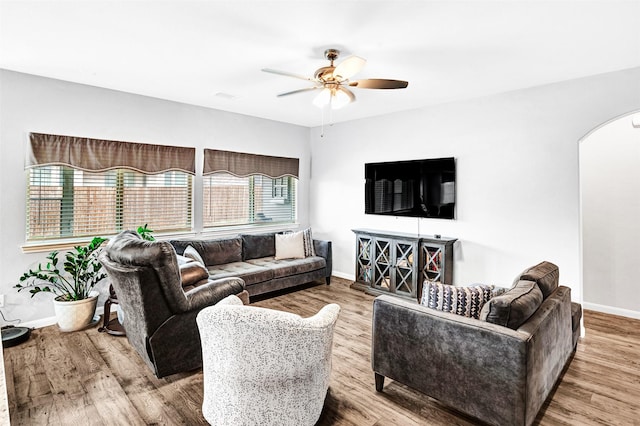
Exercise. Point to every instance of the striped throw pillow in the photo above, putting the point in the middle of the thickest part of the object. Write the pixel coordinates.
(309, 250)
(465, 301)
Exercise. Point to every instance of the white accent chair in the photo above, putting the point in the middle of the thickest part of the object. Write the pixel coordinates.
(264, 367)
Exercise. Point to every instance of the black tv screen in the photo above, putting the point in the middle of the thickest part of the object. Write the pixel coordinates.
(417, 188)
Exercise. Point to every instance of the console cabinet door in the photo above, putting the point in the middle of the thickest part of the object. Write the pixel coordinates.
(383, 262)
(436, 261)
(404, 267)
(364, 263)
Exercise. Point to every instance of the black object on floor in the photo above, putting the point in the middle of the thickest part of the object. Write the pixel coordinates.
(12, 336)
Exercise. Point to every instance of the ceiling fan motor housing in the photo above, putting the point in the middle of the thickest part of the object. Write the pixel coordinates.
(324, 74)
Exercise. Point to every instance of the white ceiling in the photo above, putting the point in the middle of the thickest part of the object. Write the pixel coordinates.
(210, 53)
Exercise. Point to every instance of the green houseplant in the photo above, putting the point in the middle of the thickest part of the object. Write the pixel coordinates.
(72, 285)
(145, 233)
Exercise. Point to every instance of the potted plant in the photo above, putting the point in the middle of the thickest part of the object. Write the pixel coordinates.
(75, 301)
(145, 233)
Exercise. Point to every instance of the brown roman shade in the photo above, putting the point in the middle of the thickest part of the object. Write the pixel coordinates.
(243, 165)
(97, 155)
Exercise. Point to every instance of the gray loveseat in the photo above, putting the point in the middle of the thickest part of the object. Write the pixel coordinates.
(252, 258)
(500, 372)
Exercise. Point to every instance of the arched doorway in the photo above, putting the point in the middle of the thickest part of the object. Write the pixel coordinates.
(609, 158)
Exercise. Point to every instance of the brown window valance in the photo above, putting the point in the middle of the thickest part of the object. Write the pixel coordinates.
(242, 165)
(97, 155)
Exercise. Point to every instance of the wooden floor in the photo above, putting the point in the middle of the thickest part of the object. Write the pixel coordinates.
(91, 378)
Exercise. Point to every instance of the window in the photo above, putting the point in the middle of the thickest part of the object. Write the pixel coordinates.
(230, 200)
(79, 187)
(281, 188)
(64, 203)
(247, 189)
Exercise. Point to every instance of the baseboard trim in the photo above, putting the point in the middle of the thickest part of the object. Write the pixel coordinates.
(45, 322)
(343, 275)
(611, 310)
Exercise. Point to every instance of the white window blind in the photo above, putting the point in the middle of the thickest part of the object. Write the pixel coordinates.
(63, 202)
(258, 200)
(81, 187)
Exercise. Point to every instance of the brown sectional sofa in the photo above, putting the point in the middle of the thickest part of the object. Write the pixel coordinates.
(252, 258)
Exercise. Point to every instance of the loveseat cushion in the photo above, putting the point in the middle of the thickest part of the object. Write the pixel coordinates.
(545, 274)
(465, 301)
(289, 267)
(514, 307)
(255, 246)
(250, 273)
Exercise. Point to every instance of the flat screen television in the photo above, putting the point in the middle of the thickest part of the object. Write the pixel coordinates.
(416, 188)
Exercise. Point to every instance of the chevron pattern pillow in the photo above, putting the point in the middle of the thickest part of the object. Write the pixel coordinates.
(465, 301)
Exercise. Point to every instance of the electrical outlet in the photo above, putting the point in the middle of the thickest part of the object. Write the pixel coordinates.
(1, 300)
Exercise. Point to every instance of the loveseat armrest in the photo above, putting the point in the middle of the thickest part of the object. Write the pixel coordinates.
(212, 292)
(476, 367)
(324, 250)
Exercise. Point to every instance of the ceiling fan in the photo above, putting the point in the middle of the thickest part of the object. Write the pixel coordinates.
(334, 80)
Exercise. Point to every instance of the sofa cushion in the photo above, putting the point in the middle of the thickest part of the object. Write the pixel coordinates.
(192, 273)
(288, 267)
(545, 274)
(514, 307)
(290, 246)
(215, 251)
(255, 246)
(465, 301)
(250, 273)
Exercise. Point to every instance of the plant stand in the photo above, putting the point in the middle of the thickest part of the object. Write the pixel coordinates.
(111, 326)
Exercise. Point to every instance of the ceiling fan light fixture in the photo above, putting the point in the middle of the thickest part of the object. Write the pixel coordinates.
(335, 97)
(323, 99)
(341, 98)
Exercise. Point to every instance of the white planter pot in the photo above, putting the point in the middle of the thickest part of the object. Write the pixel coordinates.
(77, 314)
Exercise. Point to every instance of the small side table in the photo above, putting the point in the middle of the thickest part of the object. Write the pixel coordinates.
(111, 326)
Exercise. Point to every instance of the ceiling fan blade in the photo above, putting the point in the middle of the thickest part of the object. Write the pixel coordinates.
(350, 66)
(379, 83)
(287, 74)
(349, 93)
(293, 92)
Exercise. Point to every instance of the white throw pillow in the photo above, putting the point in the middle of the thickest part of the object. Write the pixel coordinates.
(193, 254)
(290, 246)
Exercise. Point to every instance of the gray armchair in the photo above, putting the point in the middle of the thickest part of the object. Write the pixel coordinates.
(160, 316)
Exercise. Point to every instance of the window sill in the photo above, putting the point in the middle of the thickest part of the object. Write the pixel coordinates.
(46, 246)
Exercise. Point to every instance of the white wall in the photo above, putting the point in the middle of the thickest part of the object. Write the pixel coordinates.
(517, 174)
(34, 104)
(610, 189)
(517, 156)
